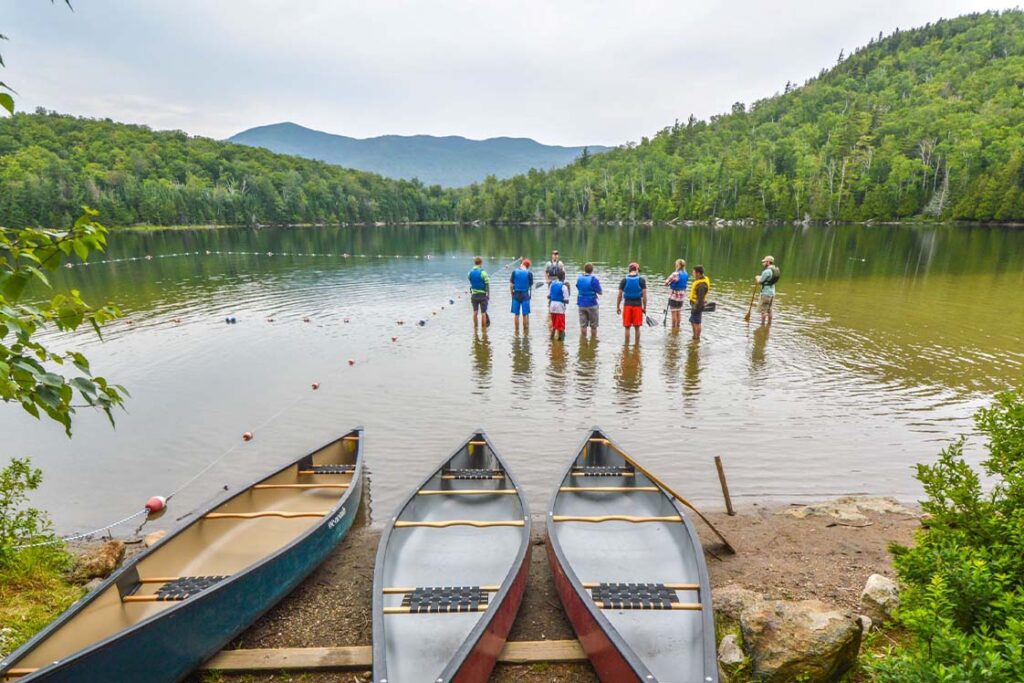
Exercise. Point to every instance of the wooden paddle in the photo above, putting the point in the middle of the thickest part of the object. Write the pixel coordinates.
(665, 487)
(753, 294)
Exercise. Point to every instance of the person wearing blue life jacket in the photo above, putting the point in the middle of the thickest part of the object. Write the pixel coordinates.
(632, 293)
(520, 286)
(479, 291)
(677, 283)
(588, 288)
(558, 296)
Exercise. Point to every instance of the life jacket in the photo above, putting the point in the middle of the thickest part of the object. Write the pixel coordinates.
(776, 275)
(693, 288)
(585, 286)
(476, 281)
(632, 289)
(521, 280)
(682, 278)
(556, 293)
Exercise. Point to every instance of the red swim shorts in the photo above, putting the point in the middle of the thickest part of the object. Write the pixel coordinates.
(632, 316)
(558, 322)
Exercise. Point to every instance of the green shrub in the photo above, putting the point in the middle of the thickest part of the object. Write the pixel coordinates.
(18, 522)
(962, 584)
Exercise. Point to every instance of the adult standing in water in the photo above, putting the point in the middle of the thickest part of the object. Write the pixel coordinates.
(479, 291)
(588, 288)
(632, 293)
(770, 274)
(698, 297)
(553, 268)
(677, 283)
(520, 286)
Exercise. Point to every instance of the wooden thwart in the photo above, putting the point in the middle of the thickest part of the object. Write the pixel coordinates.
(615, 518)
(687, 606)
(328, 474)
(477, 443)
(460, 522)
(361, 656)
(401, 590)
(465, 492)
(146, 598)
(591, 474)
(608, 489)
(269, 513)
(671, 586)
(453, 476)
(300, 486)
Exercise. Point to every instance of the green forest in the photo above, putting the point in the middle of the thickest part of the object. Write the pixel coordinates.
(927, 123)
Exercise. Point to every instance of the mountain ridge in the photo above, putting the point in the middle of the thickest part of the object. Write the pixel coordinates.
(449, 161)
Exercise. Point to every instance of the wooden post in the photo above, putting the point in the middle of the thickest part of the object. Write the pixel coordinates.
(725, 486)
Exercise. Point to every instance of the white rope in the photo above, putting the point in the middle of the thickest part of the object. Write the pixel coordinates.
(86, 534)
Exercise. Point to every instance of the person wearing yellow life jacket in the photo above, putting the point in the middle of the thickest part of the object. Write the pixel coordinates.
(479, 291)
(699, 289)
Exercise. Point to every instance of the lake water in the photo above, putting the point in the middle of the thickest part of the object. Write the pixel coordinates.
(886, 340)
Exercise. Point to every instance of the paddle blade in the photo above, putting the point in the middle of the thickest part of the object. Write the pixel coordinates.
(651, 322)
(538, 285)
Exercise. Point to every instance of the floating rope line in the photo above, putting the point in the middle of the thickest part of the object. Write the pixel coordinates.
(247, 437)
(289, 254)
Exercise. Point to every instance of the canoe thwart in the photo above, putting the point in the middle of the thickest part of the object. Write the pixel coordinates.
(479, 523)
(442, 599)
(180, 588)
(472, 474)
(399, 590)
(266, 513)
(603, 471)
(608, 489)
(615, 518)
(477, 443)
(638, 596)
(329, 469)
(465, 492)
(300, 486)
(672, 586)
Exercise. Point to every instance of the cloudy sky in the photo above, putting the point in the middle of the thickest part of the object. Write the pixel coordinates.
(560, 71)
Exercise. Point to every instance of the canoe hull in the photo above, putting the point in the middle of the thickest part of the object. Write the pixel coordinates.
(604, 656)
(479, 664)
(168, 647)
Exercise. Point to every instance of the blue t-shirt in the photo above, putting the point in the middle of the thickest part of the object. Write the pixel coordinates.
(584, 300)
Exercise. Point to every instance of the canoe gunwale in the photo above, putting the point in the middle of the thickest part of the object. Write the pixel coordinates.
(498, 598)
(129, 568)
(629, 657)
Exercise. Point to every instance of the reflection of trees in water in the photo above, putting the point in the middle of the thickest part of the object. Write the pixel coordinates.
(482, 360)
(629, 372)
(758, 360)
(522, 364)
(691, 371)
(555, 372)
(670, 364)
(586, 368)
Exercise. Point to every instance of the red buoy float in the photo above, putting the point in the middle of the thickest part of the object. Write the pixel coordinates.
(351, 362)
(316, 385)
(247, 436)
(156, 504)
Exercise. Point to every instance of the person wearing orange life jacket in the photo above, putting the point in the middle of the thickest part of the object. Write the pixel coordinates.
(699, 289)
(632, 292)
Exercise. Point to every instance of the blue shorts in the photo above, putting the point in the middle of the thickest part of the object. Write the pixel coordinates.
(695, 317)
(520, 306)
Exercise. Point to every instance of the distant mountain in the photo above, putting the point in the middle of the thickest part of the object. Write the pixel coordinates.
(450, 161)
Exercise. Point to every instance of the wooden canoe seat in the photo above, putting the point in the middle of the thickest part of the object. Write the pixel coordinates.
(654, 596)
(442, 599)
(673, 586)
(465, 492)
(477, 443)
(300, 486)
(179, 588)
(615, 518)
(401, 590)
(608, 489)
(603, 471)
(330, 469)
(472, 474)
(266, 513)
(478, 523)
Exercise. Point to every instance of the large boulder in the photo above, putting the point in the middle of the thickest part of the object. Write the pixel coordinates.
(730, 601)
(806, 640)
(100, 562)
(880, 597)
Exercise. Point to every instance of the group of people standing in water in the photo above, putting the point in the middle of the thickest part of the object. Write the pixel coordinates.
(631, 302)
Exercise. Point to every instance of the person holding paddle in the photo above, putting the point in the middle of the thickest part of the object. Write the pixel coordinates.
(520, 286)
(479, 291)
(632, 292)
(698, 298)
(678, 283)
(767, 279)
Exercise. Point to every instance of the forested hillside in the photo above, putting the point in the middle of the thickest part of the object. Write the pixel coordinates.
(923, 122)
(928, 122)
(51, 165)
(450, 161)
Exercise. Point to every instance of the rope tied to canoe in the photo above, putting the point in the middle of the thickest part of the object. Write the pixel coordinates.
(83, 535)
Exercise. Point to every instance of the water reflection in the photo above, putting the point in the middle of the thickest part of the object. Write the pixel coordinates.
(757, 350)
(482, 360)
(556, 375)
(628, 377)
(691, 371)
(586, 369)
(670, 363)
(522, 365)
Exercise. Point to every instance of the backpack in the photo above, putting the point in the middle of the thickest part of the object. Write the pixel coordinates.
(776, 275)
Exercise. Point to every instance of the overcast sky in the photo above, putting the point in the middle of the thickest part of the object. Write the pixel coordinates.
(562, 72)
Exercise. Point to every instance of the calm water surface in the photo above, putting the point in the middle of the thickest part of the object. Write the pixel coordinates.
(885, 342)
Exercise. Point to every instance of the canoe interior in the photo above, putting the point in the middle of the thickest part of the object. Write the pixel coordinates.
(672, 645)
(205, 547)
(419, 647)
